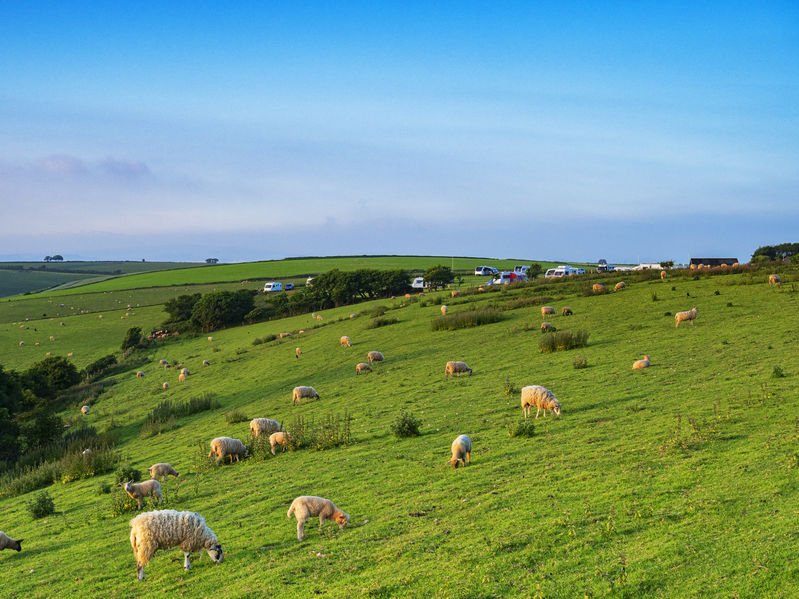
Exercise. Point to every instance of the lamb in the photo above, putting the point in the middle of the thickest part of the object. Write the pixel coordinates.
(7, 542)
(162, 529)
(548, 327)
(162, 470)
(297, 352)
(303, 392)
(227, 447)
(306, 506)
(455, 293)
(455, 367)
(547, 311)
(689, 315)
(345, 341)
(279, 438)
(566, 311)
(163, 362)
(643, 363)
(148, 488)
(775, 280)
(663, 275)
(444, 310)
(52, 338)
(619, 286)
(461, 451)
(362, 367)
(374, 356)
(139, 374)
(185, 371)
(260, 426)
(182, 377)
(85, 410)
(206, 362)
(164, 385)
(541, 398)
(598, 288)
(70, 354)
(210, 339)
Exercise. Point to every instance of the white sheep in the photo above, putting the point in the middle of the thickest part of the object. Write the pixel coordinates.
(455, 293)
(619, 286)
(345, 341)
(461, 451)
(70, 354)
(547, 327)
(185, 371)
(775, 280)
(456, 367)
(206, 362)
(281, 438)
(374, 356)
(547, 311)
(444, 309)
(162, 470)
(139, 374)
(261, 426)
(306, 506)
(663, 275)
(210, 339)
(227, 447)
(163, 362)
(7, 542)
(303, 392)
(164, 385)
(162, 529)
(297, 352)
(148, 488)
(182, 377)
(85, 410)
(566, 311)
(541, 398)
(598, 288)
(642, 363)
(689, 315)
(21, 343)
(52, 338)
(362, 367)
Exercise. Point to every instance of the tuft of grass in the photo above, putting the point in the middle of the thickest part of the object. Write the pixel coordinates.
(332, 431)
(778, 372)
(654, 296)
(406, 425)
(41, 506)
(509, 388)
(235, 416)
(265, 339)
(521, 428)
(125, 473)
(580, 362)
(381, 322)
(563, 340)
(463, 320)
(164, 416)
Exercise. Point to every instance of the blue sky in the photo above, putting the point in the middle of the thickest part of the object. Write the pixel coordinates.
(550, 130)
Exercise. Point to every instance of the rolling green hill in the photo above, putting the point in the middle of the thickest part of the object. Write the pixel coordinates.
(675, 481)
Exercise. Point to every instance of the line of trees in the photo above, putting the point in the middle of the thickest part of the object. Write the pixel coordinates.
(775, 252)
(56, 258)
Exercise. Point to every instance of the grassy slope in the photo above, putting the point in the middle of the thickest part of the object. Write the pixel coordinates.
(14, 282)
(675, 481)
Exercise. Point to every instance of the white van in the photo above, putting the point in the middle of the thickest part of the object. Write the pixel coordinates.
(418, 283)
(563, 271)
(273, 286)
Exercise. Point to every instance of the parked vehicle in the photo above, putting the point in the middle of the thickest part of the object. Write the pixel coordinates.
(521, 269)
(289, 286)
(564, 270)
(418, 283)
(273, 286)
(506, 278)
(603, 266)
(481, 271)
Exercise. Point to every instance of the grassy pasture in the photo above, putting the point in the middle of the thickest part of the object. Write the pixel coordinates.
(678, 480)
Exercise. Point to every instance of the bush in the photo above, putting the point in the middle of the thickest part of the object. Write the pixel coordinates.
(125, 473)
(133, 338)
(580, 362)
(29, 479)
(75, 466)
(381, 322)
(406, 425)
(262, 340)
(462, 320)
(122, 503)
(99, 367)
(40, 506)
(522, 428)
(563, 340)
(104, 488)
(235, 416)
(163, 417)
(331, 432)
(778, 372)
(509, 388)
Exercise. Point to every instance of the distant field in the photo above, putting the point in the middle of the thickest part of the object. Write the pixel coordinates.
(13, 282)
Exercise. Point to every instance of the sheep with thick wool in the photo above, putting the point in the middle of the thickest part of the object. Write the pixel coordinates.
(345, 341)
(775, 280)
(303, 392)
(162, 529)
(182, 377)
(7, 542)
(547, 327)
(663, 275)
(642, 363)
(262, 426)
(227, 447)
(541, 398)
(547, 311)
(308, 506)
(162, 470)
(461, 451)
(598, 288)
(281, 438)
(297, 352)
(138, 491)
(685, 315)
(566, 311)
(85, 410)
(619, 286)
(139, 374)
(454, 367)
(444, 310)
(375, 356)
(362, 367)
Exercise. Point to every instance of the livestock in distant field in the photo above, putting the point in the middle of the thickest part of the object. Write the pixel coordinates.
(566, 311)
(281, 438)
(262, 426)
(297, 352)
(307, 506)
(663, 275)
(541, 398)
(775, 280)
(374, 356)
(345, 341)
(362, 367)
(162, 470)
(547, 327)
(444, 309)
(547, 311)
(619, 286)
(598, 288)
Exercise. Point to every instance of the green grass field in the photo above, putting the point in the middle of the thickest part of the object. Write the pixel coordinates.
(675, 481)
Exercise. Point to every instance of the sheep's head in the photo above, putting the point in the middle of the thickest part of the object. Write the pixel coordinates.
(215, 553)
(341, 518)
(454, 462)
(556, 408)
(16, 545)
(127, 485)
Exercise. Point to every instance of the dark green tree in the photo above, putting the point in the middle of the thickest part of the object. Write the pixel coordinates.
(534, 270)
(46, 379)
(180, 308)
(222, 308)
(133, 338)
(438, 276)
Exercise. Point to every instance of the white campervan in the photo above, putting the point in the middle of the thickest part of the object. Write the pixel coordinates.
(273, 286)
(563, 271)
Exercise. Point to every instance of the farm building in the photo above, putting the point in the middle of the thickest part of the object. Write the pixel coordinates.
(711, 262)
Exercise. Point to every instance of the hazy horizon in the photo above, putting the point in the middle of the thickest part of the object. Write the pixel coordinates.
(568, 131)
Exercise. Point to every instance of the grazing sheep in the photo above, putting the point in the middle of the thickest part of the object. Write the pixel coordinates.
(62, 324)
(164, 385)
(162, 529)
(303, 392)
(297, 352)
(162, 470)
(566, 311)
(227, 447)
(541, 398)
(663, 275)
(345, 341)
(279, 438)
(284, 335)
(185, 371)
(548, 327)
(139, 374)
(461, 451)
(444, 310)
(598, 288)
(455, 293)
(52, 338)
(85, 410)
(619, 286)
(362, 367)
(374, 356)
(181, 378)
(206, 362)
(547, 311)
(69, 354)
(7, 542)
(775, 280)
(21, 343)
(47, 354)
(306, 506)
(210, 339)
(689, 315)
(455, 367)
(261, 426)
(163, 362)
(643, 363)
(148, 488)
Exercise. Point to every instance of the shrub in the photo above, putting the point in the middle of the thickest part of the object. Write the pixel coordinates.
(778, 372)
(235, 416)
(331, 432)
(262, 340)
(563, 340)
(99, 367)
(462, 320)
(406, 425)
(509, 388)
(122, 503)
(375, 311)
(522, 428)
(75, 466)
(133, 338)
(381, 322)
(164, 416)
(104, 488)
(654, 296)
(40, 506)
(580, 362)
(729, 304)
(125, 473)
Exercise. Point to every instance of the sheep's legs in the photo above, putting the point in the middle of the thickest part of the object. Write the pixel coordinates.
(300, 529)
(468, 457)
(186, 560)
(538, 411)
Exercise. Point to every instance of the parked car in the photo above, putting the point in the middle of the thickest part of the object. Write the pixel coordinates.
(418, 283)
(506, 278)
(563, 270)
(273, 286)
(481, 271)
(289, 286)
